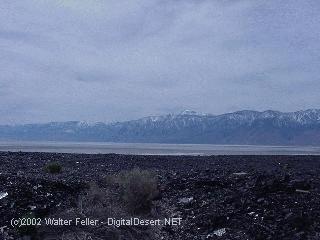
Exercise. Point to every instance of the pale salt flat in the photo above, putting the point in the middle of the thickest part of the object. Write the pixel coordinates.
(155, 148)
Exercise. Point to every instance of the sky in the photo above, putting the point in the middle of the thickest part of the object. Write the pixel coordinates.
(115, 60)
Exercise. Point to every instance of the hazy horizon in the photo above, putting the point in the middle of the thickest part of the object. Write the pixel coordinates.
(108, 61)
(164, 114)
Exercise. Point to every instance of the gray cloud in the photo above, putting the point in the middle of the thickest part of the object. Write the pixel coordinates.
(117, 60)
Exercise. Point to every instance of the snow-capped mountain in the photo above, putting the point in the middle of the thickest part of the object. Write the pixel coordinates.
(243, 127)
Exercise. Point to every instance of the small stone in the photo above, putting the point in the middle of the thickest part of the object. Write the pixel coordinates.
(219, 232)
(302, 191)
(240, 173)
(32, 208)
(3, 195)
(186, 200)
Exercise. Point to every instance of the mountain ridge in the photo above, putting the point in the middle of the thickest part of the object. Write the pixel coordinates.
(242, 127)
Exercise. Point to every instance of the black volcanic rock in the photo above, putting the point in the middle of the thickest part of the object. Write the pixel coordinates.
(237, 197)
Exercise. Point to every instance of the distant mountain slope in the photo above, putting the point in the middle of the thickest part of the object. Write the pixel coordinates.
(244, 127)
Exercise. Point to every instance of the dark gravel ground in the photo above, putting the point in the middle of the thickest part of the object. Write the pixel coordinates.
(218, 197)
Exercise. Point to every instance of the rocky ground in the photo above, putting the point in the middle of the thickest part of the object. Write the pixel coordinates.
(217, 197)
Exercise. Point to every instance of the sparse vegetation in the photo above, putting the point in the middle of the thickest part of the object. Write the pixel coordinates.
(29, 228)
(101, 201)
(138, 189)
(53, 168)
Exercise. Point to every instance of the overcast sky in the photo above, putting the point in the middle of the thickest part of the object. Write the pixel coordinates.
(109, 60)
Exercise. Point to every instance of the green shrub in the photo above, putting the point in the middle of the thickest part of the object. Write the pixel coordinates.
(138, 188)
(53, 168)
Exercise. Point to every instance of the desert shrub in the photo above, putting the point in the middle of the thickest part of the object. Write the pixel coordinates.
(103, 200)
(53, 167)
(93, 202)
(28, 231)
(138, 189)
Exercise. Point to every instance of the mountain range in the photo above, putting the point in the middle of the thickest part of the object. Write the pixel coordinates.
(242, 127)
